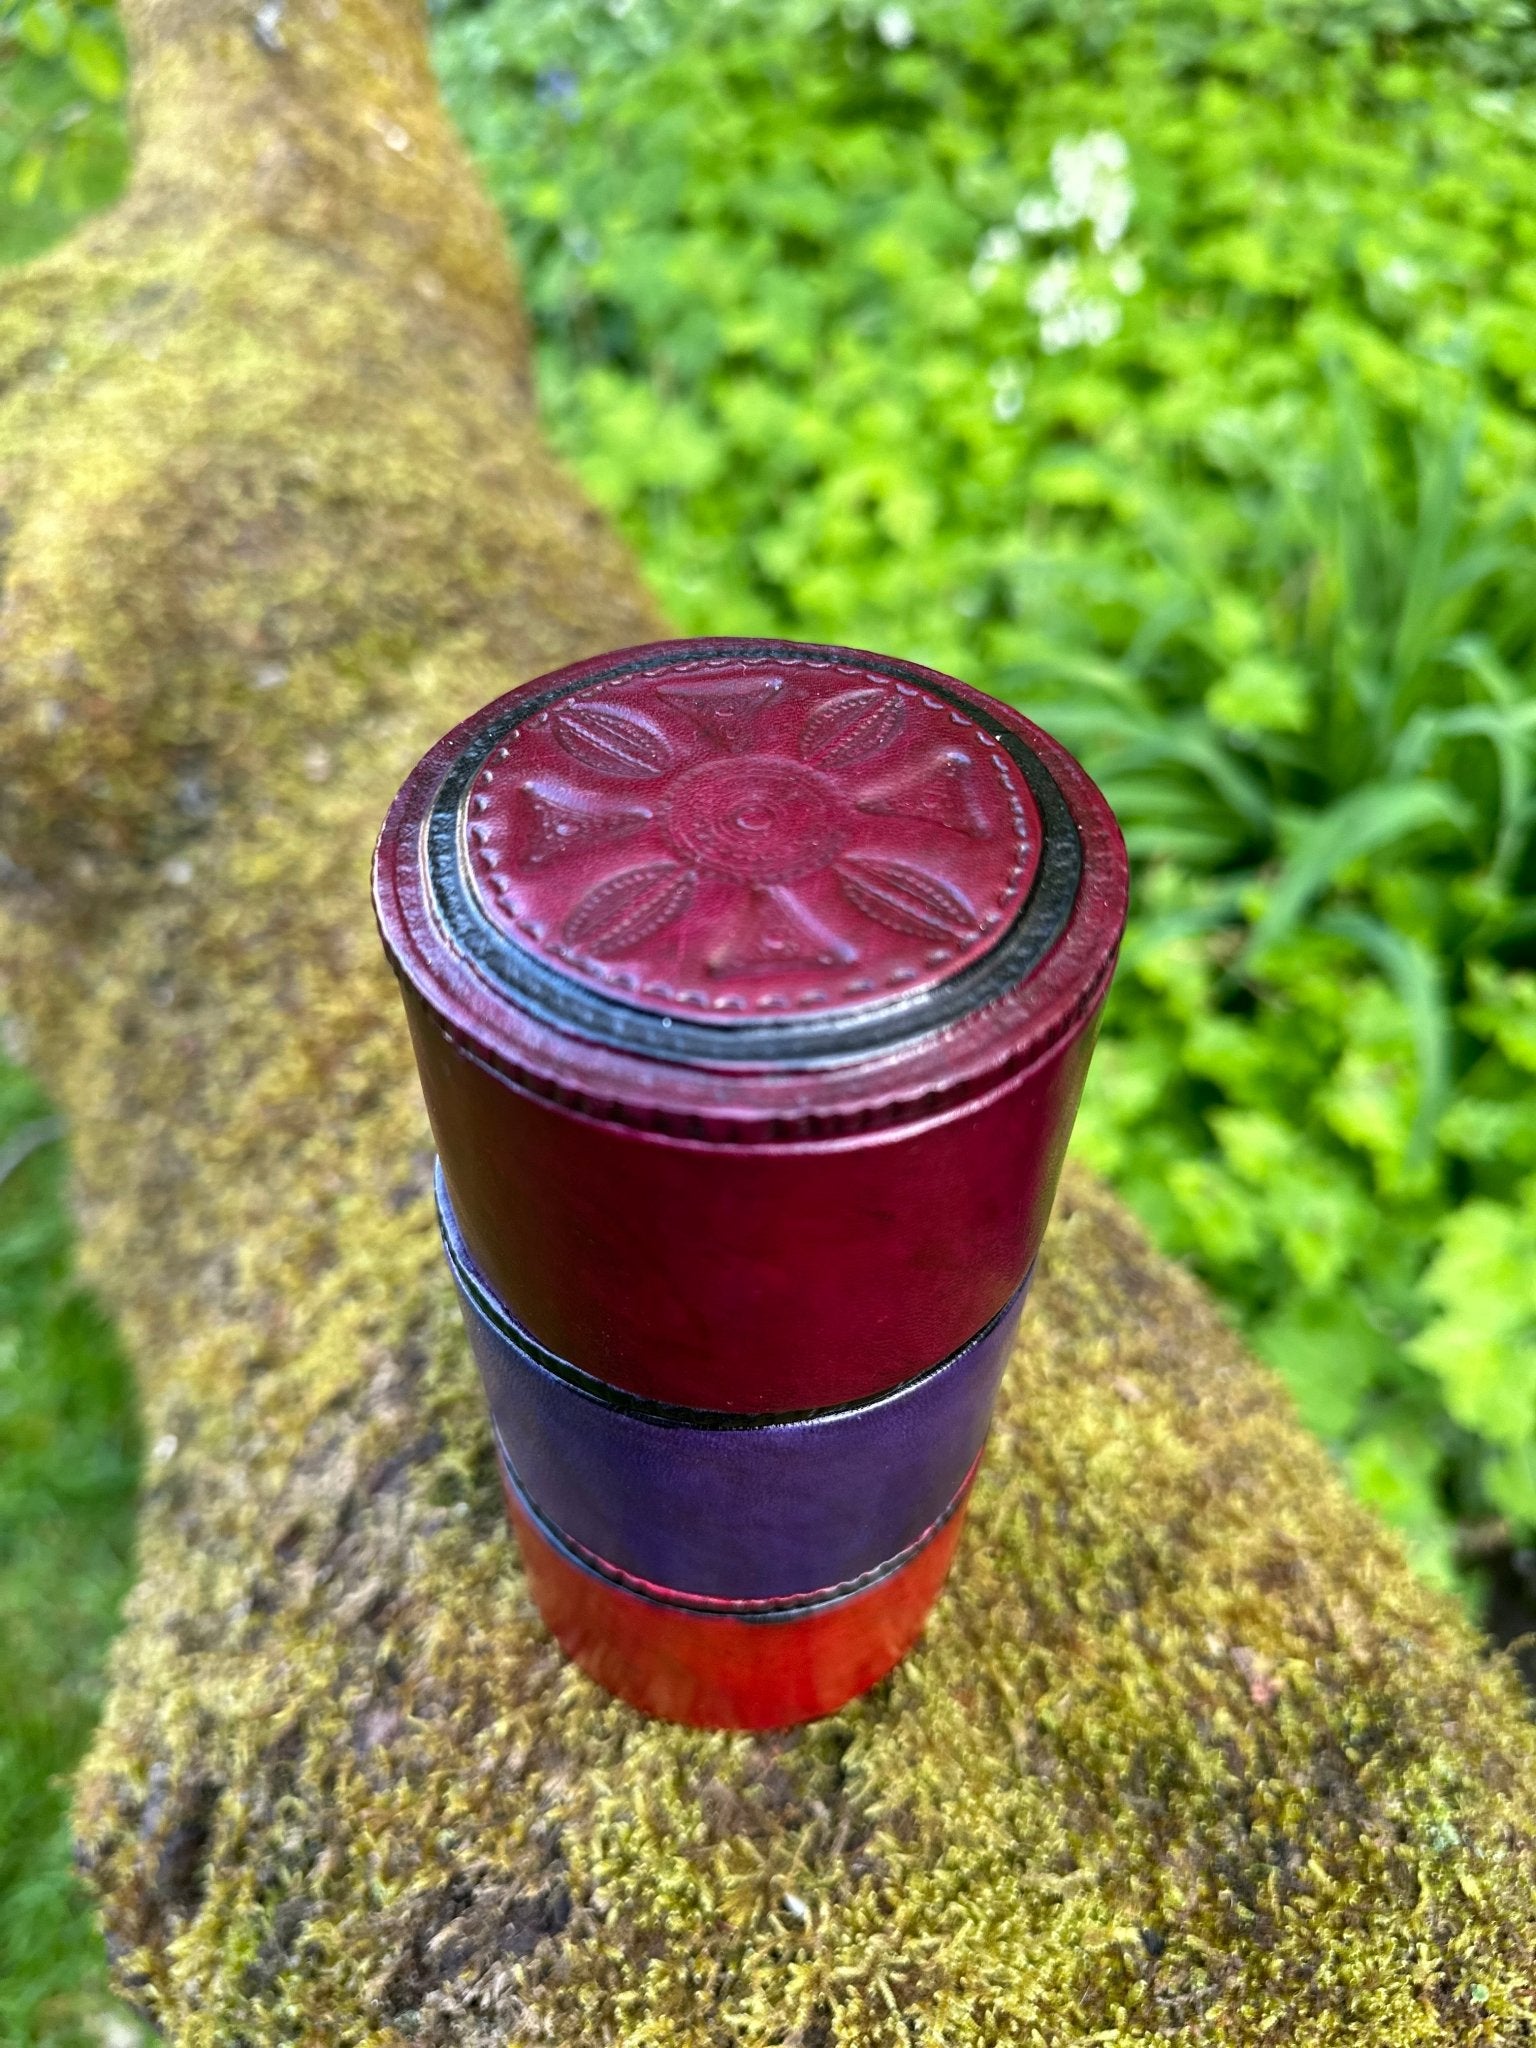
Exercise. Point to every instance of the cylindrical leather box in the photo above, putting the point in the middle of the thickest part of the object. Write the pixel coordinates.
(752, 987)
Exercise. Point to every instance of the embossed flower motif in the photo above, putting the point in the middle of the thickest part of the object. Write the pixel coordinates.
(774, 827)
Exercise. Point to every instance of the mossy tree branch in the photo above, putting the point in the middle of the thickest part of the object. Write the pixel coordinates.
(1187, 1752)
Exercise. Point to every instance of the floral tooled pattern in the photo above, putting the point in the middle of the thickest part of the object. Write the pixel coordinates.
(742, 841)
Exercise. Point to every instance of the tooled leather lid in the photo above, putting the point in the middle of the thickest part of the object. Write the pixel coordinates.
(743, 889)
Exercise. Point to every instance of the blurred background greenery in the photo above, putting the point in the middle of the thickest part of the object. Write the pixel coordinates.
(68, 1466)
(1168, 368)
(63, 140)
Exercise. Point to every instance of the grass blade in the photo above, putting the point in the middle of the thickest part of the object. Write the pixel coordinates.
(1415, 976)
(1366, 821)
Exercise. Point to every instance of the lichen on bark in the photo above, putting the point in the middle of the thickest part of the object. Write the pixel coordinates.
(1187, 1752)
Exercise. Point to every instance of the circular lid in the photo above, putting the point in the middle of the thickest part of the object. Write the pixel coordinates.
(751, 888)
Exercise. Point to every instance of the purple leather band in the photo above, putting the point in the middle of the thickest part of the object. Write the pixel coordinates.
(735, 1507)
(788, 1608)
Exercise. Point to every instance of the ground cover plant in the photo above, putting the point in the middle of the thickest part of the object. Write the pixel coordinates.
(63, 144)
(68, 1463)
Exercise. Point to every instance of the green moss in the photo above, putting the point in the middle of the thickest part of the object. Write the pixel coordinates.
(1187, 1751)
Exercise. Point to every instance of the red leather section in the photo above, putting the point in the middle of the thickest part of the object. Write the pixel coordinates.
(754, 1278)
(719, 1671)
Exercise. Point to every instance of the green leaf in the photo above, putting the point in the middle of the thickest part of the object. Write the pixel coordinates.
(1488, 1130)
(1432, 574)
(1502, 1007)
(1397, 1472)
(27, 174)
(1481, 1343)
(1415, 976)
(1512, 1484)
(95, 61)
(1329, 1354)
(1259, 694)
(1192, 745)
(1224, 1219)
(1510, 730)
(1366, 821)
(42, 28)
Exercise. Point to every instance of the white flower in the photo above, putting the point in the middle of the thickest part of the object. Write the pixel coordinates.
(895, 27)
(1114, 214)
(996, 247)
(1099, 319)
(1082, 167)
(1092, 181)
(1090, 175)
(1053, 286)
(1008, 383)
(1040, 216)
(1083, 324)
(1069, 316)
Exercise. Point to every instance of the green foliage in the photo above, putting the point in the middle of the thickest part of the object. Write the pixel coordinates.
(1324, 990)
(68, 1441)
(63, 148)
(1164, 368)
(68, 1459)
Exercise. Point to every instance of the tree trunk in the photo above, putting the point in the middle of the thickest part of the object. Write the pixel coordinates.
(1186, 1753)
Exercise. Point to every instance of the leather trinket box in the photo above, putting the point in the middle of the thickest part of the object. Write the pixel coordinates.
(752, 986)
